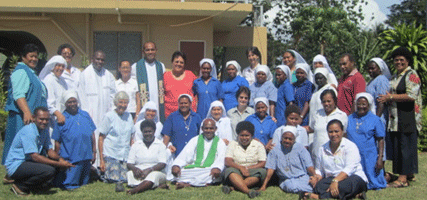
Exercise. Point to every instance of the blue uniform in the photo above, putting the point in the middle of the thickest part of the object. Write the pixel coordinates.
(285, 95)
(267, 90)
(363, 131)
(206, 94)
(379, 86)
(264, 131)
(75, 136)
(230, 88)
(291, 167)
(175, 128)
(303, 93)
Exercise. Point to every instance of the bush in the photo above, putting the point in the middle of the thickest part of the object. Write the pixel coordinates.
(422, 138)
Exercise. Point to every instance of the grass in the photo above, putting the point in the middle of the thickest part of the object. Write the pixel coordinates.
(99, 190)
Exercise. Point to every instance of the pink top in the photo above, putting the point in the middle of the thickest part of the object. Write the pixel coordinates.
(174, 88)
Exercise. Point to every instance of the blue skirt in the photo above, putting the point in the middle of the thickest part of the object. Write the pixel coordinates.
(14, 124)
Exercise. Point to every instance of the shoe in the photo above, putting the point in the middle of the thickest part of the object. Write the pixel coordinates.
(226, 189)
(15, 189)
(253, 193)
(119, 187)
(363, 196)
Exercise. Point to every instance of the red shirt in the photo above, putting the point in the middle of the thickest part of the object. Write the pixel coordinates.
(174, 88)
(347, 89)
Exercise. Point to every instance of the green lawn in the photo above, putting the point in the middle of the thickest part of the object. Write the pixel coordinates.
(99, 190)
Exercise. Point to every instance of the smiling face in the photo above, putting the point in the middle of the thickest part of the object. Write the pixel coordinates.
(41, 119)
(58, 69)
(150, 114)
(301, 75)
(71, 105)
(150, 51)
(293, 119)
(98, 60)
(231, 71)
(335, 133)
(216, 113)
(125, 70)
(121, 106)
(243, 99)
(280, 76)
(288, 139)
(244, 138)
(178, 64)
(261, 110)
(184, 105)
(346, 65)
(209, 128)
(400, 63)
(289, 59)
(373, 69)
(206, 70)
(362, 106)
(317, 64)
(328, 103)
(148, 134)
(67, 54)
(31, 59)
(253, 58)
(320, 80)
(261, 77)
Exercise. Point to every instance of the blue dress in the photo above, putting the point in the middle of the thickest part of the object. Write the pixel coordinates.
(362, 131)
(291, 166)
(303, 93)
(285, 95)
(230, 88)
(175, 128)
(267, 90)
(206, 94)
(264, 131)
(75, 137)
(379, 86)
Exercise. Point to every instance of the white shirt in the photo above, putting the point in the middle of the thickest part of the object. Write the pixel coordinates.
(346, 159)
(152, 80)
(188, 154)
(316, 102)
(138, 133)
(319, 123)
(249, 74)
(131, 88)
(55, 87)
(72, 78)
(301, 137)
(143, 157)
(224, 130)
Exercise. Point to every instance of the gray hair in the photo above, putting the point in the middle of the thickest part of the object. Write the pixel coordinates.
(122, 95)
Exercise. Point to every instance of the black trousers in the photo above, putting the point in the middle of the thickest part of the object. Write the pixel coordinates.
(32, 176)
(348, 188)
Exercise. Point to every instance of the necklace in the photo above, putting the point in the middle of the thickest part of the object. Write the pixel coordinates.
(358, 124)
(187, 126)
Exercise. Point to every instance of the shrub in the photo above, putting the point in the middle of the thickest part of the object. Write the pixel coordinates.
(422, 137)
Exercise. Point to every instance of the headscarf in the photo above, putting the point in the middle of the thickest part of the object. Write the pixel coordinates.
(66, 95)
(291, 129)
(321, 58)
(187, 95)
(211, 63)
(47, 69)
(149, 105)
(235, 64)
(306, 68)
(324, 72)
(266, 70)
(285, 69)
(383, 67)
(263, 100)
(216, 104)
(369, 98)
(298, 58)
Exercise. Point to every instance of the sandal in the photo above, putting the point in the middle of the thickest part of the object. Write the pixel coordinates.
(398, 184)
(390, 177)
(411, 178)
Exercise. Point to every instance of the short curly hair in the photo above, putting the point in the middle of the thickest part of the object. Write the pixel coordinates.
(245, 126)
(403, 51)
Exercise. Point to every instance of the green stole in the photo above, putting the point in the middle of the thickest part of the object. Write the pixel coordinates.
(200, 151)
(142, 78)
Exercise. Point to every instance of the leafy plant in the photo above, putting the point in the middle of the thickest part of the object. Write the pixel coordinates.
(422, 138)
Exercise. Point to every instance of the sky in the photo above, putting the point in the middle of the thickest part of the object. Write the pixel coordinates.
(377, 9)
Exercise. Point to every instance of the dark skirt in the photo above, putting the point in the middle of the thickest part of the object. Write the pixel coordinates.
(348, 188)
(260, 173)
(405, 153)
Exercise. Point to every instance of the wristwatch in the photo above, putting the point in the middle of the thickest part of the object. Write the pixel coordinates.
(335, 180)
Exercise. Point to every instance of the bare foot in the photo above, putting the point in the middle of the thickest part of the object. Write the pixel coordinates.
(181, 185)
(164, 186)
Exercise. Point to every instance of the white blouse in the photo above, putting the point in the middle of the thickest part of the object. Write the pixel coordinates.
(55, 87)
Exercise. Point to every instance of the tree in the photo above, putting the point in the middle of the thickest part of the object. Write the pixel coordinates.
(408, 11)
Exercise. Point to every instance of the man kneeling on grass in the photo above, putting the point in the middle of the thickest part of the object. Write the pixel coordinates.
(202, 159)
(26, 162)
(147, 159)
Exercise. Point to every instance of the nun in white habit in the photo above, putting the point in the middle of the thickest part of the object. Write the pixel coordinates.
(223, 123)
(320, 61)
(149, 111)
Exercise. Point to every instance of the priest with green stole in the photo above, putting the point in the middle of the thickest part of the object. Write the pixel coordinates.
(149, 74)
(201, 161)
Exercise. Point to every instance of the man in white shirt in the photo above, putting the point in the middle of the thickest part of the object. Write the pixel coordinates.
(71, 74)
(201, 161)
(96, 91)
(149, 74)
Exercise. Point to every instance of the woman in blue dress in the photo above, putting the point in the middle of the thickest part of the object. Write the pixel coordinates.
(207, 88)
(75, 142)
(263, 122)
(285, 93)
(26, 92)
(264, 88)
(366, 130)
(303, 90)
(231, 85)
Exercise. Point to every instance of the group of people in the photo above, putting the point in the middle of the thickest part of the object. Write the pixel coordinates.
(303, 129)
